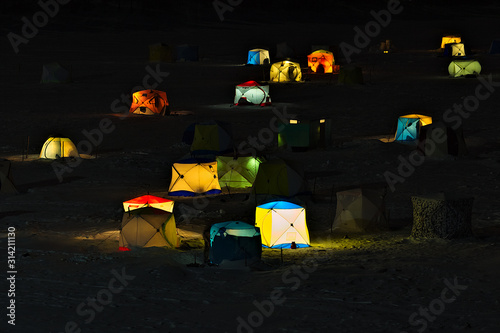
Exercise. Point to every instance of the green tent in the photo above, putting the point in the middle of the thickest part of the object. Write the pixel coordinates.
(303, 133)
(464, 67)
(237, 172)
(350, 75)
(279, 177)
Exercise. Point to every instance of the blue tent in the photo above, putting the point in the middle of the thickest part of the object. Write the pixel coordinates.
(408, 129)
(495, 46)
(234, 241)
(258, 57)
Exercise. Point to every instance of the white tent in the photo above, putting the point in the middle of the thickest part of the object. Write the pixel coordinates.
(282, 224)
(252, 93)
(56, 147)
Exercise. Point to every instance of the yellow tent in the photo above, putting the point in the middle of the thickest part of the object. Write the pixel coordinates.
(464, 67)
(450, 39)
(191, 177)
(55, 148)
(146, 227)
(285, 71)
(282, 225)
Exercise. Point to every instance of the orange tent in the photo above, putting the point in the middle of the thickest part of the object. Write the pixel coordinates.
(321, 58)
(148, 201)
(149, 102)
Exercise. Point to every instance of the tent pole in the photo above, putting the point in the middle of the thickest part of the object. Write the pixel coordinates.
(28, 147)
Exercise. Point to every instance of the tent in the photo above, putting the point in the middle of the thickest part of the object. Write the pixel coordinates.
(285, 71)
(194, 176)
(6, 183)
(495, 47)
(258, 57)
(350, 75)
(279, 177)
(234, 241)
(360, 210)
(211, 137)
(57, 147)
(305, 132)
(408, 128)
(149, 102)
(447, 39)
(186, 52)
(237, 172)
(464, 67)
(149, 201)
(252, 93)
(454, 50)
(55, 73)
(321, 61)
(161, 53)
(282, 223)
(440, 140)
(146, 227)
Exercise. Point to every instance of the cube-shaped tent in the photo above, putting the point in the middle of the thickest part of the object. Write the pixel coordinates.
(350, 75)
(285, 71)
(160, 52)
(258, 57)
(408, 128)
(454, 50)
(149, 201)
(279, 178)
(282, 225)
(186, 52)
(464, 67)
(147, 227)
(447, 39)
(55, 73)
(441, 140)
(321, 61)
(495, 47)
(234, 241)
(149, 102)
(209, 138)
(191, 177)
(360, 210)
(57, 147)
(252, 93)
(6, 183)
(237, 172)
(302, 133)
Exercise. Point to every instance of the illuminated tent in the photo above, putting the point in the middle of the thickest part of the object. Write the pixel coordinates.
(237, 172)
(149, 201)
(464, 67)
(350, 75)
(147, 227)
(149, 102)
(495, 47)
(360, 210)
(282, 223)
(321, 61)
(454, 50)
(252, 93)
(160, 53)
(258, 57)
(408, 128)
(55, 73)
(56, 147)
(194, 176)
(279, 177)
(186, 52)
(440, 140)
(211, 137)
(304, 132)
(234, 241)
(285, 71)
(6, 183)
(450, 39)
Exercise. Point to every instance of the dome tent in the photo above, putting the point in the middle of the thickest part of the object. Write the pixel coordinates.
(58, 147)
